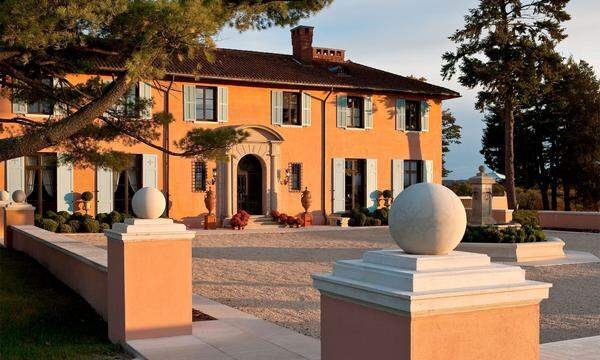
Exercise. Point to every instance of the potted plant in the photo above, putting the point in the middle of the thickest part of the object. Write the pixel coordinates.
(86, 197)
(388, 195)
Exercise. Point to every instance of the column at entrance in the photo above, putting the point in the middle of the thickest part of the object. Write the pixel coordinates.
(273, 194)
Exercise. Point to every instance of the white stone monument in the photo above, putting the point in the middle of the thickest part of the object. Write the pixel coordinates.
(481, 203)
(426, 301)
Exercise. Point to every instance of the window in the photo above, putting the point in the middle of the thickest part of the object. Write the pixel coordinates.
(198, 176)
(355, 112)
(40, 182)
(291, 108)
(206, 104)
(39, 107)
(126, 183)
(413, 172)
(413, 115)
(355, 184)
(295, 176)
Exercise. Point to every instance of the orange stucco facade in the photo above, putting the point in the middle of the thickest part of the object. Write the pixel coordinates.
(312, 146)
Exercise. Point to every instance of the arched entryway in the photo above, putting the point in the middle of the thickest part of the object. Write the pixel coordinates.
(250, 185)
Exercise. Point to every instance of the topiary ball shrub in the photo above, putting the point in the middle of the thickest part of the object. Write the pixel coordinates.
(359, 219)
(50, 215)
(64, 214)
(381, 215)
(102, 217)
(104, 226)
(65, 229)
(87, 196)
(37, 220)
(388, 194)
(75, 225)
(526, 217)
(61, 219)
(115, 217)
(90, 226)
(49, 225)
(365, 211)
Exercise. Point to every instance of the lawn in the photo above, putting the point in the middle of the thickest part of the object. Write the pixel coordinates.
(40, 318)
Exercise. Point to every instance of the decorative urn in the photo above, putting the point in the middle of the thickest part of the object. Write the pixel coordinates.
(210, 201)
(306, 199)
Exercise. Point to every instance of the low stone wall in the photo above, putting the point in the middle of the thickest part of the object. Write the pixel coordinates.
(81, 266)
(574, 220)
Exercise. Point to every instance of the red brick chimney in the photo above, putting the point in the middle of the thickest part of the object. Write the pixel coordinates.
(302, 38)
(304, 51)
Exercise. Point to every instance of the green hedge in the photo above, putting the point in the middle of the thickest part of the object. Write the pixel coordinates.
(363, 217)
(526, 217)
(492, 234)
(63, 222)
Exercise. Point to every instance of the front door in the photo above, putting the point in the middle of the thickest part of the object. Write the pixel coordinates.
(355, 184)
(249, 185)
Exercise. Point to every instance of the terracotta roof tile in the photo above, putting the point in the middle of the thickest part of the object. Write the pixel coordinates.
(253, 66)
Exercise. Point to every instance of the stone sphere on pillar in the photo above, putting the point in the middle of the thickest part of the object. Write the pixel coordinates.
(148, 203)
(427, 219)
(4, 195)
(19, 196)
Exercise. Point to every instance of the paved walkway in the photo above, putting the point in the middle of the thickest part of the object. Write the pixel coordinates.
(234, 336)
(240, 336)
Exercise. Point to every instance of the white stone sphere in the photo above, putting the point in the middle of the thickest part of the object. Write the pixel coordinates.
(427, 219)
(4, 195)
(19, 196)
(148, 203)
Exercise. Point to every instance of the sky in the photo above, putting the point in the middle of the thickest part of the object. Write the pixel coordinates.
(408, 37)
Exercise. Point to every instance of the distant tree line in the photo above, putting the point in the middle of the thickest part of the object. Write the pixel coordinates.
(557, 133)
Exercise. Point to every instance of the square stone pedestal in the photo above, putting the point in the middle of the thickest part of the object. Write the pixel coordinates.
(210, 222)
(14, 214)
(307, 218)
(149, 279)
(391, 306)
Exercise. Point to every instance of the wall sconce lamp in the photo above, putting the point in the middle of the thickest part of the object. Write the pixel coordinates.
(214, 176)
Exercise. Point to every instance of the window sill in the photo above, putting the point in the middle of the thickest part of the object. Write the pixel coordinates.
(36, 115)
(356, 129)
(203, 122)
(292, 126)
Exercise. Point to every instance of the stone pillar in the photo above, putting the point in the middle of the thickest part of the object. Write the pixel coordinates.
(14, 213)
(481, 203)
(149, 275)
(273, 195)
(433, 303)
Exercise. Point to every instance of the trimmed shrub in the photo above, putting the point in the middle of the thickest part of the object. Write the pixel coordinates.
(102, 217)
(359, 220)
(37, 220)
(87, 196)
(50, 215)
(526, 217)
(388, 194)
(64, 214)
(75, 225)
(104, 226)
(381, 215)
(49, 225)
(115, 217)
(90, 226)
(491, 234)
(373, 222)
(65, 228)
(365, 211)
(61, 219)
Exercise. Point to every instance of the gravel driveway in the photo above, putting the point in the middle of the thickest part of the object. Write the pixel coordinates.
(268, 275)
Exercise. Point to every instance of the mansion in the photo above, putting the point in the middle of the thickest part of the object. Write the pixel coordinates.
(315, 120)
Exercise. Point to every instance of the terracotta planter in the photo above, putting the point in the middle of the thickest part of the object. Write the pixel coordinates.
(210, 201)
(306, 199)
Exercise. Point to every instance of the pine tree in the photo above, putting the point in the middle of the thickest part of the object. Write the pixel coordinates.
(52, 39)
(500, 50)
(450, 135)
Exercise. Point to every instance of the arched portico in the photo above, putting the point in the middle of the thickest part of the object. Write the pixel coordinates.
(263, 143)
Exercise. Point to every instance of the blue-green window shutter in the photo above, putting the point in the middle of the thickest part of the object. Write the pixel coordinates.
(15, 175)
(306, 109)
(424, 116)
(339, 185)
(18, 106)
(104, 190)
(189, 102)
(145, 91)
(368, 113)
(400, 114)
(276, 107)
(150, 170)
(222, 104)
(342, 111)
(64, 186)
